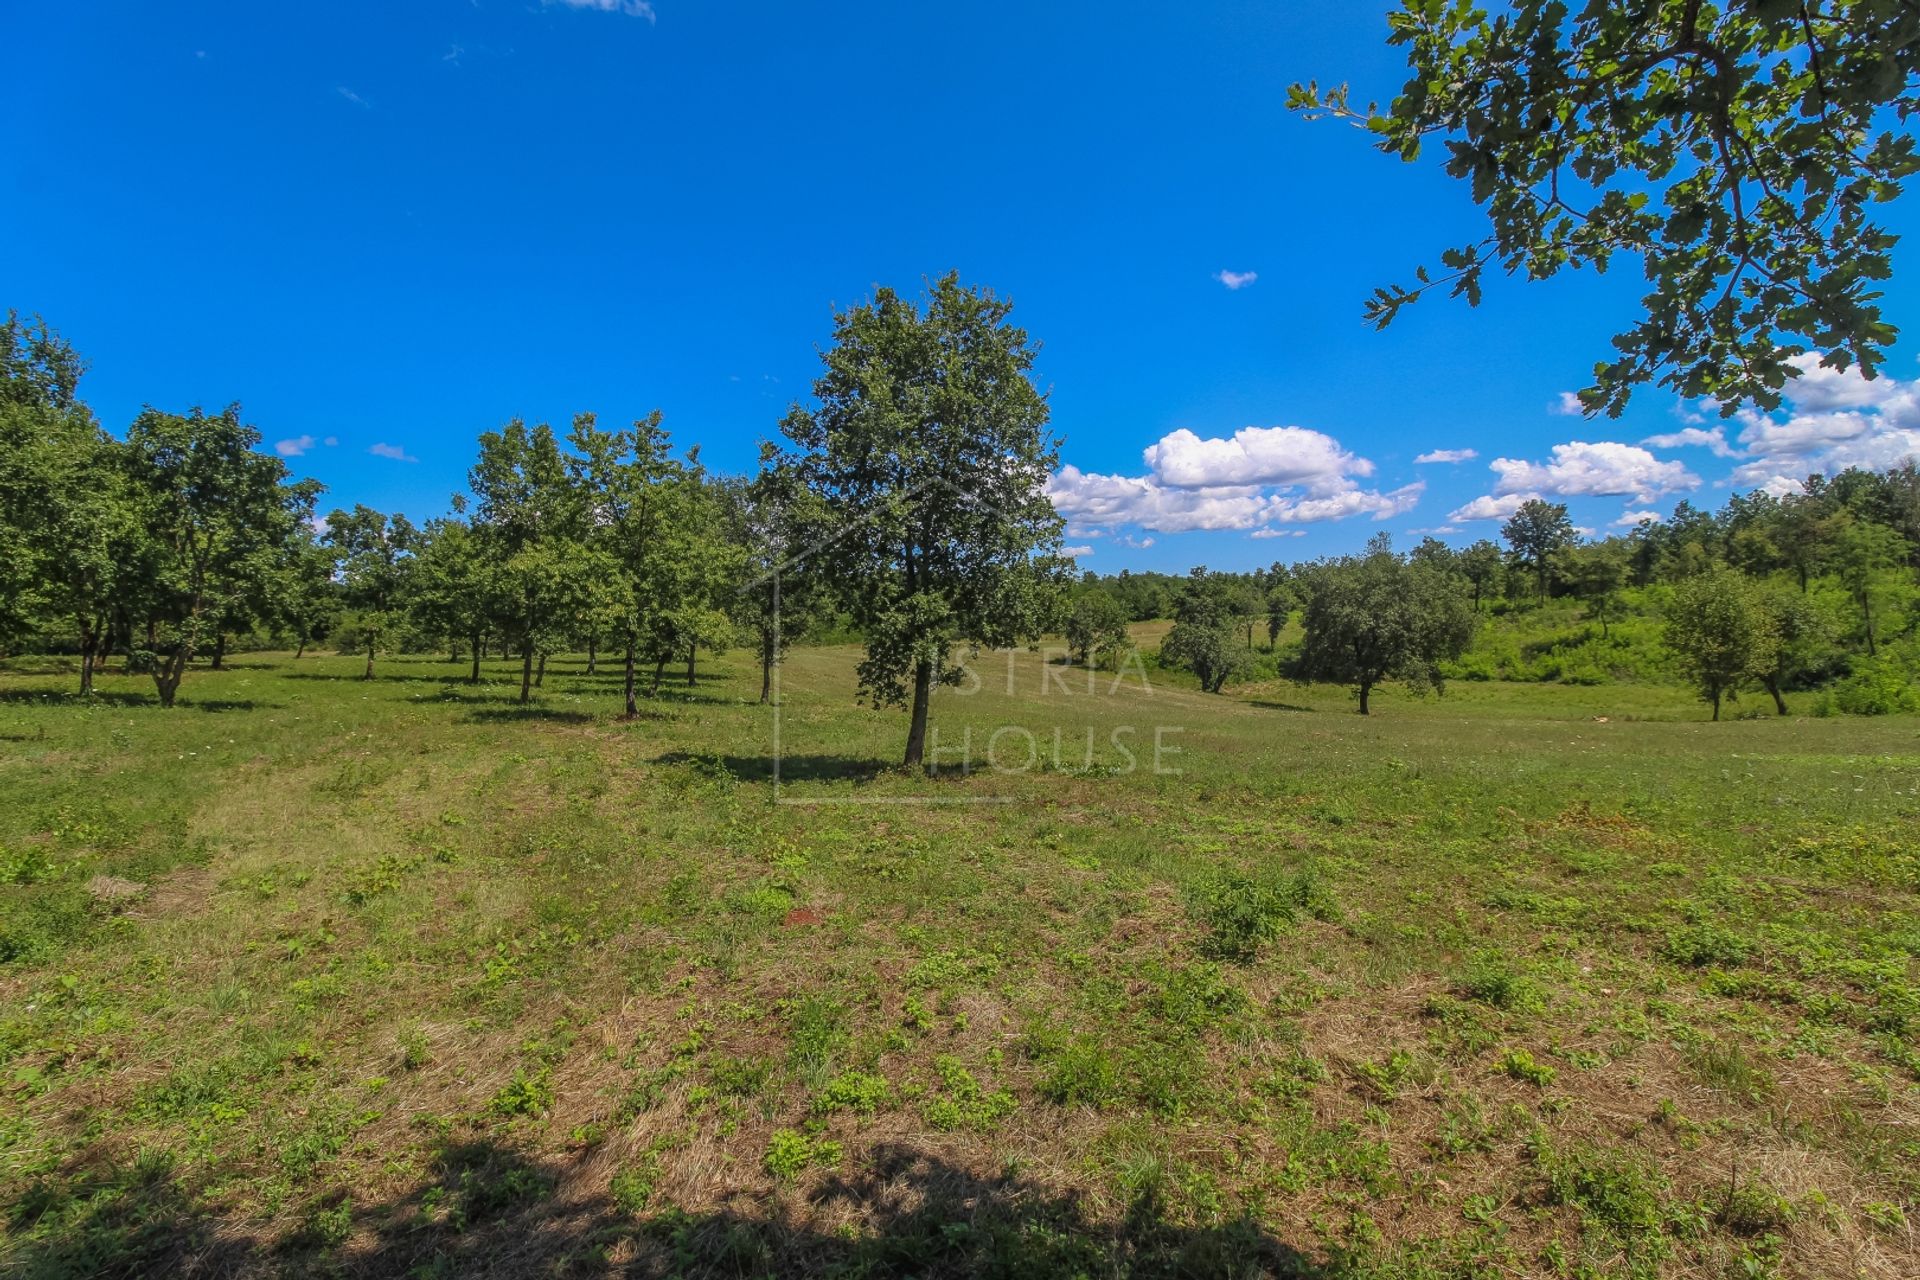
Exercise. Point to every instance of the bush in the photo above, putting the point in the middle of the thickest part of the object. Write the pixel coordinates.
(1240, 914)
(1877, 687)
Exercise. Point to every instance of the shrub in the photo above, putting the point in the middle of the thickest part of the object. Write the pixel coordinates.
(1519, 1064)
(1699, 945)
(633, 1185)
(1877, 687)
(856, 1091)
(1240, 914)
(791, 1153)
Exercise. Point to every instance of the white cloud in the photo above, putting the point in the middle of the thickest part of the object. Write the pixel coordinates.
(1602, 470)
(1139, 544)
(1694, 438)
(1447, 455)
(1567, 405)
(1074, 553)
(1348, 502)
(1819, 388)
(393, 452)
(295, 447)
(1236, 280)
(1584, 531)
(1089, 498)
(1488, 507)
(632, 8)
(1278, 533)
(331, 441)
(1629, 519)
(353, 97)
(1254, 456)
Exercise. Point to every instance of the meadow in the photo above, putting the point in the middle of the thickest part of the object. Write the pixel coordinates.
(317, 975)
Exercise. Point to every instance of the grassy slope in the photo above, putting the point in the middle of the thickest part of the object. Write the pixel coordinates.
(321, 975)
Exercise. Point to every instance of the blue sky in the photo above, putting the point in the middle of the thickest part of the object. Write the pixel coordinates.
(387, 227)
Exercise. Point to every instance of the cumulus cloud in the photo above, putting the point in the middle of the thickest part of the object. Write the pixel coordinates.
(1489, 507)
(1567, 404)
(1236, 280)
(295, 447)
(393, 452)
(1253, 456)
(632, 8)
(1601, 470)
(1259, 476)
(1629, 519)
(1278, 533)
(1447, 455)
(1694, 438)
(1075, 553)
(1348, 502)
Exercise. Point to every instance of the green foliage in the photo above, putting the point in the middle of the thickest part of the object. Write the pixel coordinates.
(1721, 634)
(1737, 150)
(791, 1153)
(1520, 1064)
(932, 548)
(1239, 913)
(860, 1092)
(1097, 629)
(1378, 617)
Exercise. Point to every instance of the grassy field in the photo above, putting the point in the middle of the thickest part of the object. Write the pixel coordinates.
(320, 976)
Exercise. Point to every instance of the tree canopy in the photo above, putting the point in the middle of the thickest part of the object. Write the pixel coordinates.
(1738, 150)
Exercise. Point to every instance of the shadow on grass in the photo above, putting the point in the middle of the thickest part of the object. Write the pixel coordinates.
(532, 711)
(117, 698)
(1277, 706)
(489, 1211)
(793, 768)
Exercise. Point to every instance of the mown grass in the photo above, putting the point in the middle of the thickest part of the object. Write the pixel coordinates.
(316, 975)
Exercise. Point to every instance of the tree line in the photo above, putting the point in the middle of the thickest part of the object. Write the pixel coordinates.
(906, 500)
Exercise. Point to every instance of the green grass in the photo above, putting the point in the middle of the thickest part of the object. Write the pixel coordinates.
(319, 975)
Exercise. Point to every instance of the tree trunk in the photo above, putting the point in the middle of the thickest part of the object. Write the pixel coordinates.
(1866, 612)
(659, 666)
(453, 652)
(1773, 687)
(167, 673)
(526, 673)
(540, 676)
(89, 645)
(220, 652)
(1366, 690)
(593, 658)
(368, 673)
(766, 676)
(633, 708)
(301, 650)
(1716, 706)
(692, 651)
(917, 727)
(478, 644)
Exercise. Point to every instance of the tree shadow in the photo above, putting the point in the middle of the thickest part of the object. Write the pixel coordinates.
(487, 1210)
(512, 714)
(1276, 706)
(792, 768)
(121, 698)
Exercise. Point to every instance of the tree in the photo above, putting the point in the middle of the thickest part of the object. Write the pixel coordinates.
(928, 450)
(448, 589)
(1480, 565)
(1737, 149)
(1596, 573)
(51, 456)
(1202, 639)
(1799, 636)
(1722, 636)
(1097, 628)
(1375, 617)
(1862, 551)
(1282, 599)
(530, 521)
(218, 516)
(1535, 532)
(308, 597)
(637, 520)
(376, 558)
(775, 519)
